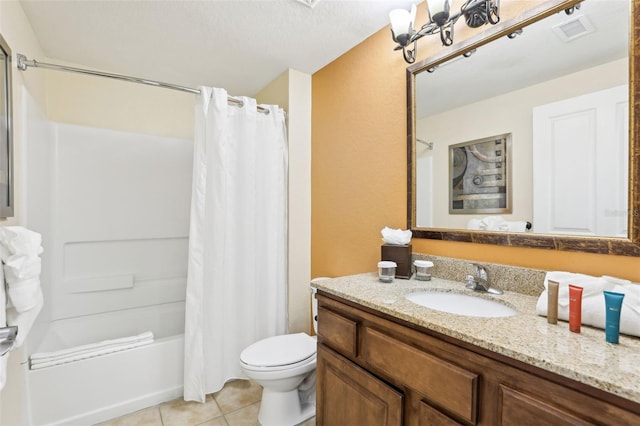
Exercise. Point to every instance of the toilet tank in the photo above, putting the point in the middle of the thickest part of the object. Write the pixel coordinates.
(314, 302)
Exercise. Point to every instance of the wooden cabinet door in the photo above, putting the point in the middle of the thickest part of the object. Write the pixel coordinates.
(430, 416)
(348, 395)
(517, 408)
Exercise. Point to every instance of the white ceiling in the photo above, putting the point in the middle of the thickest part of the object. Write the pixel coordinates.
(240, 45)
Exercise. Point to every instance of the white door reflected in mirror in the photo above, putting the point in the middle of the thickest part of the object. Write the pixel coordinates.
(580, 174)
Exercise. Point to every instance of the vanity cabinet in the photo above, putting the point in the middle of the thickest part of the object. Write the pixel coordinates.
(352, 396)
(374, 369)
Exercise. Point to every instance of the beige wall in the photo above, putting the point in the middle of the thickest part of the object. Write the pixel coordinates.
(510, 113)
(359, 167)
(111, 104)
(292, 91)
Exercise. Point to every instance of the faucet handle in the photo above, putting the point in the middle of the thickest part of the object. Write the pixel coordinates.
(481, 270)
(471, 281)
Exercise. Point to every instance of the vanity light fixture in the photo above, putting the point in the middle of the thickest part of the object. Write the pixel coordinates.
(476, 14)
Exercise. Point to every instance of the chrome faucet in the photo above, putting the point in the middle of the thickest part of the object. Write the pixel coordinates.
(480, 281)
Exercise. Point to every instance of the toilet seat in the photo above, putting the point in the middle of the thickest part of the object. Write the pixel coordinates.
(279, 352)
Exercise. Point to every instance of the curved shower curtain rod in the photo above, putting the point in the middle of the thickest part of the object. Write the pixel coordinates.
(24, 63)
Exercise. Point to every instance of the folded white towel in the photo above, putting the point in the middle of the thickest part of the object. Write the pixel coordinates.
(105, 344)
(593, 304)
(88, 354)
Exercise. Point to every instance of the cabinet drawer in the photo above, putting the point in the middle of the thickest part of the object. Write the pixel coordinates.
(448, 386)
(338, 332)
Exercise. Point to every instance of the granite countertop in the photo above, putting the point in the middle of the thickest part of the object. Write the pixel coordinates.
(527, 337)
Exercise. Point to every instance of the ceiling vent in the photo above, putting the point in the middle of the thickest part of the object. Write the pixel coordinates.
(309, 3)
(573, 28)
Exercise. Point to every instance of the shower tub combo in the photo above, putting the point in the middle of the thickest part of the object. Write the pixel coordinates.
(113, 210)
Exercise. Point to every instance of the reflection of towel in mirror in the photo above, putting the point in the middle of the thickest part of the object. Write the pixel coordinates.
(3, 322)
(496, 223)
(593, 305)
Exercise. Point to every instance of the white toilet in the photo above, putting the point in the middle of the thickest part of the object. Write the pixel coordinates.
(285, 367)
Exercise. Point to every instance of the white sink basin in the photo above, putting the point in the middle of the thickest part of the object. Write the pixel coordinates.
(461, 304)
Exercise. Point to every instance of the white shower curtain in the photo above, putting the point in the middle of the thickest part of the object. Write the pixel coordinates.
(236, 285)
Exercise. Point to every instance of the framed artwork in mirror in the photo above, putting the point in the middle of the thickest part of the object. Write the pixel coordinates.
(6, 132)
(480, 176)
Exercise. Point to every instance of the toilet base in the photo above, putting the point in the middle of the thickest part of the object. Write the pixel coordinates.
(284, 408)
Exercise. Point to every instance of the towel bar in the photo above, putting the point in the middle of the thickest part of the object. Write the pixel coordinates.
(7, 337)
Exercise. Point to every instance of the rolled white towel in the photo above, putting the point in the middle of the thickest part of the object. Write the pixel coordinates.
(24, 295)
(3, 322)
(630, 313)
(21, 267)
(495, 223)
(24, 320)
(517, 226)
(19, 240)
(476, 224)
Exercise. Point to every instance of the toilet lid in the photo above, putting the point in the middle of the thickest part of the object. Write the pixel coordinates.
(279, 350)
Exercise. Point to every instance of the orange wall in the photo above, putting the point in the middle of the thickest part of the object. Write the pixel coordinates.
(359, 168)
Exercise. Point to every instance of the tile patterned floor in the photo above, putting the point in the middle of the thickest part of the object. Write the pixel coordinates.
(237, 404)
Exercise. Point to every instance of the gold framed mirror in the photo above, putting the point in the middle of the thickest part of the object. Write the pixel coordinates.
(625, 242)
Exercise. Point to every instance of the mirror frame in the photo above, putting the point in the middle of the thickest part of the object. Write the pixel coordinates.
(6, 144)
(603, 245)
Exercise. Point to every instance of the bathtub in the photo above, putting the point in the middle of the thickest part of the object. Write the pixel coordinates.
(97, 389)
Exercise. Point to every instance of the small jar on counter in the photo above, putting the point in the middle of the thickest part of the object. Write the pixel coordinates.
(387, 271)
(423, 269)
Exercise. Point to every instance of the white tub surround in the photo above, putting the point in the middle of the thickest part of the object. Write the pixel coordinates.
(113, 211)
